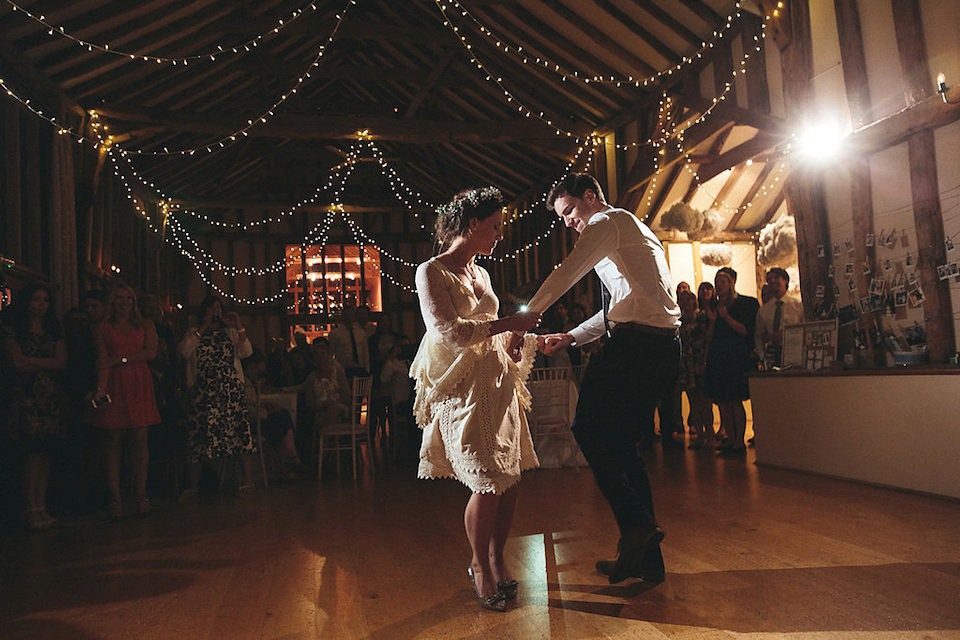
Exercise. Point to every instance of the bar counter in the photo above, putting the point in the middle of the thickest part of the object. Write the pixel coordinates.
(897, 427)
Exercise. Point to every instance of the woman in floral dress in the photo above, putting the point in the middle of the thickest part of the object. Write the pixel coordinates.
(218, 419)
(35, 350)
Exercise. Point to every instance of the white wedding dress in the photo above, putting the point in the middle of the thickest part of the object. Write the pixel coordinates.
(471, 396)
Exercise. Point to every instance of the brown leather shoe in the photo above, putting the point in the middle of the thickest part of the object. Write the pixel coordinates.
(606, 567)
(631, 551)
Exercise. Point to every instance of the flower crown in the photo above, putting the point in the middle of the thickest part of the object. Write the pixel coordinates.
(475, 197)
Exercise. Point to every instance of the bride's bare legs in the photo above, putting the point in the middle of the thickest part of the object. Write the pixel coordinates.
(479, 521)
(501, 531)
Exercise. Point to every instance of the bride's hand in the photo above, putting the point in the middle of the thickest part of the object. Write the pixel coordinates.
(514, 347)
(525, 320)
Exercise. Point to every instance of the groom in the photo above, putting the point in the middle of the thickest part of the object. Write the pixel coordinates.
(639, 361)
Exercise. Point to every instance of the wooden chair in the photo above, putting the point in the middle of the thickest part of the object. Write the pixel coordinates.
(550, 410)
(551, 417)
(258, 434)
(347, 436)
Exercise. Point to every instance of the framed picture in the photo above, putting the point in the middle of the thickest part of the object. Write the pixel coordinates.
(810, 345)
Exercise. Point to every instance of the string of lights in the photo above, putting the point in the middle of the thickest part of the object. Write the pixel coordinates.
(335, 172)
(221, 50)
(398, 187)
(264, 115)
(559, 130)
(221, 143)
(566, 75)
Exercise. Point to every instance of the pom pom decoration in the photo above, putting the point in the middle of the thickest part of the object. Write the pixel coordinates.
(682, 217)
(777, 245)
(716, 255)
(712, 222)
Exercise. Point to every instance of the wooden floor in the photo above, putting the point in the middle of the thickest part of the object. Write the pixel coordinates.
(751, 552)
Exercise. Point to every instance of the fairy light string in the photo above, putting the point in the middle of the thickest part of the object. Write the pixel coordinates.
(221, 50)
(532, 59)
(169, 210)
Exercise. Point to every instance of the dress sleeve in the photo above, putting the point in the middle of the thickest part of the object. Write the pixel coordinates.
(440, 313)
(597, 239)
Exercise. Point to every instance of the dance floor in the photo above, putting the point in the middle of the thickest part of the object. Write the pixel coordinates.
(751, 552)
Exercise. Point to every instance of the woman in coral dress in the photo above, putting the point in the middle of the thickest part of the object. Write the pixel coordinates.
(471, 397)
(126, 342)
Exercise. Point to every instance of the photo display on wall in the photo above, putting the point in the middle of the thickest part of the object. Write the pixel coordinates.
(810, 345)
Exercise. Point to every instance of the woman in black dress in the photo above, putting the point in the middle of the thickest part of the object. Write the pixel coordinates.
(732, 319)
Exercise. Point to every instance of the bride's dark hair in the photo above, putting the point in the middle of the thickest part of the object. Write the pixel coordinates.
(453, 218)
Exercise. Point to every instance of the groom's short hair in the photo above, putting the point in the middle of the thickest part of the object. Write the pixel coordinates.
(573, 184)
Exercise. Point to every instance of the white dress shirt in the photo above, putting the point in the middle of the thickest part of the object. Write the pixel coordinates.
(630, 261)
(792, 314)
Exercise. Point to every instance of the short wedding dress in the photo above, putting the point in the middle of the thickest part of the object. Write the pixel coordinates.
(472, 398)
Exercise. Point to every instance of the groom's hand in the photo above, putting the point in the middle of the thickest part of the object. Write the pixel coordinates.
(551, 343)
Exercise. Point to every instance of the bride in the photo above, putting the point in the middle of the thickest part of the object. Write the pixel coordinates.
(471, 397)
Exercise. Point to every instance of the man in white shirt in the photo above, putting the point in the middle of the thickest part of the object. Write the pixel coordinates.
(781, 310)
(638, 363)
(349, 344)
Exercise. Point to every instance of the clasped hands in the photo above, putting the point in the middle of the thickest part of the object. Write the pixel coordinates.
(548, 344)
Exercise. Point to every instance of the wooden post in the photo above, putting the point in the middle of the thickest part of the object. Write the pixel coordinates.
(937, 308)
(860, 106)
(928, 216)
(13, 242)
(804, 188)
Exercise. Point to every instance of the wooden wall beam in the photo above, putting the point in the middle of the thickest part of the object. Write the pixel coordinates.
(854, 62)
(12, 218)
(804, 187)
(912, 46)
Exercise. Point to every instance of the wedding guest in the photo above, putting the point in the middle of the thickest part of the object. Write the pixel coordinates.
(349, 343)
(276, 423)
(326, 389)
(36, 351)
(218, 420)
(732, 319)
(776, 313)
(126, 404)
(693, 360)
(94, 302)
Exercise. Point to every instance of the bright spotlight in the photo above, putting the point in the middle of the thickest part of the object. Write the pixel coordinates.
(820, 142)
(523, 308)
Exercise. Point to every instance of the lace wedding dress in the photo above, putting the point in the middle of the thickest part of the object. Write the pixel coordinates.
(471, 396)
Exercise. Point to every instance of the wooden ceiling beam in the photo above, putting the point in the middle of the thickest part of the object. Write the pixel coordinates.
(321, 127)
(748, 197)
(539, 41)
(669, 21)
(601, 39)
(670, 56)
(929, 113)
(758, 144)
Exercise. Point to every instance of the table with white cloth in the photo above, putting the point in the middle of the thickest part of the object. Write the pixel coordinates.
(283, 399)
(555, 448)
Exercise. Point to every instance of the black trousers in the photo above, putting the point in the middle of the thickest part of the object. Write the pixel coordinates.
(618, 395)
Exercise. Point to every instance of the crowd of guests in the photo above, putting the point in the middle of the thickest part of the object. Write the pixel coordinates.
(92, 397)
(725, 335)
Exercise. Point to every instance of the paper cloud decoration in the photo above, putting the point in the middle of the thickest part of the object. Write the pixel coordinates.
(682, 217)
(777, 246)
(716, 255)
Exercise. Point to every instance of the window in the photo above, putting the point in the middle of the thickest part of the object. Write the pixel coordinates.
(329, 281)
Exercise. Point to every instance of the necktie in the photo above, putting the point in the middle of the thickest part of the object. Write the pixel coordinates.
(353, 345)
(778, 316)
(605, 298)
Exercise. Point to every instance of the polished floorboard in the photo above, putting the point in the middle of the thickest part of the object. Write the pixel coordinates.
(751, 552)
